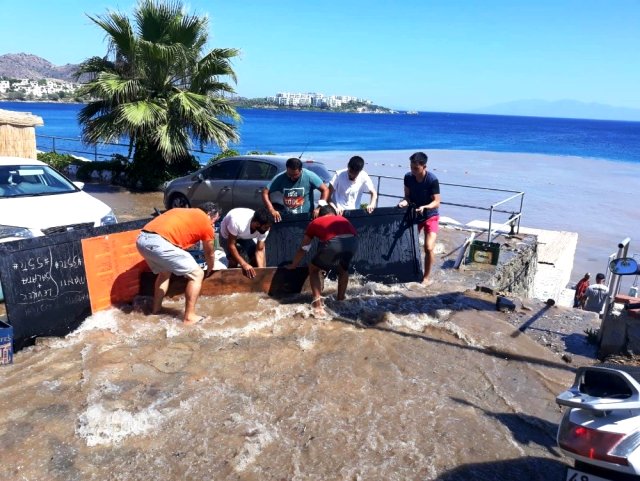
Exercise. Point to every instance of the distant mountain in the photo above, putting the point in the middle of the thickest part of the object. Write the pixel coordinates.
(24, 65)
(562, 108)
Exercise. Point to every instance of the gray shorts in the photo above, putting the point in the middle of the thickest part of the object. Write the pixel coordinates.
(338, 251)
(163, 256)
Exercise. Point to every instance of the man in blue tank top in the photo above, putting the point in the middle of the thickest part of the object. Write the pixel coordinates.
(422, 191)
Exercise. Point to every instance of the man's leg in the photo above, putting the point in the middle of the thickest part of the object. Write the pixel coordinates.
(160, 290)
(429, 256)
(316, 288)
(191, 293)
(343, 280)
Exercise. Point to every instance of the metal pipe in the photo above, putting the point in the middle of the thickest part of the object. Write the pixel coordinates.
(613, 284)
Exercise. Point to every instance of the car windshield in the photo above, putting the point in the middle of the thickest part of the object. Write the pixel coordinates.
(32, 180)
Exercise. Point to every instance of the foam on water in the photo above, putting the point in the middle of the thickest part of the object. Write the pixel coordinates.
(101, 426)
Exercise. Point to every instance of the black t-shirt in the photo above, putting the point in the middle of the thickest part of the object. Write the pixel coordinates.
(421, 193)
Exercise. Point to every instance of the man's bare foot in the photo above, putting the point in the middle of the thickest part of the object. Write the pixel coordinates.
(320, 313)
(193, 320)
(427, 282)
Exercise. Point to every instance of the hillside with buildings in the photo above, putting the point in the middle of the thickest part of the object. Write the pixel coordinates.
(29, 77)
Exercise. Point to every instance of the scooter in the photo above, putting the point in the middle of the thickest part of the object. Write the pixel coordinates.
(601, 429)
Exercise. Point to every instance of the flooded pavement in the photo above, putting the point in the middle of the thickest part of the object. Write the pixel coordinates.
(403, 383)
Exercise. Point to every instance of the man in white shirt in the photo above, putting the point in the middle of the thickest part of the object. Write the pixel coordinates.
(347, 185)
(243, 233)
(596, 295)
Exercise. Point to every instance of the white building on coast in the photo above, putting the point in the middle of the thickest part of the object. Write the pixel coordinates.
(313, 99)
(38, 88)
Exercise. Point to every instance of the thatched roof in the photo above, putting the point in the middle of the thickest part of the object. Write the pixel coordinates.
(19, 119)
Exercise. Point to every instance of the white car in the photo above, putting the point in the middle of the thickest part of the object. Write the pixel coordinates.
(37, 200)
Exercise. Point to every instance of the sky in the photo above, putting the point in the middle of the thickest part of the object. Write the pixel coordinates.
(451, 56)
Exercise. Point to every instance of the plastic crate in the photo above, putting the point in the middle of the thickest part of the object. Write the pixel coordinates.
(484, 252)
(6, 343)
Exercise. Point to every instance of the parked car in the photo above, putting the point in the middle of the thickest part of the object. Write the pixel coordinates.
(37, 200)
(232, 182)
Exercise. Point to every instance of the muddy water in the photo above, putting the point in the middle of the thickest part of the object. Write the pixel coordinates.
(262, 390)
(437, 388)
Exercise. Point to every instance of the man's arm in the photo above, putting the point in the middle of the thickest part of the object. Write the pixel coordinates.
(247, 269)
(209, 256)
(302, 251)
(267, 203)
(373, 201)
(261, 254)
(434, 204)
(333, 202)
(324, 195)
(405, 202)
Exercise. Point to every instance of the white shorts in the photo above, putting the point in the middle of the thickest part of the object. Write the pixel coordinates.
(163, 256)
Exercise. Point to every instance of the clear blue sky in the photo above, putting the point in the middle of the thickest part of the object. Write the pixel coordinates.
(448, 55)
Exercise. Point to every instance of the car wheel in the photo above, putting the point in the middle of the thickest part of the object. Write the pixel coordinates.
(178, 200)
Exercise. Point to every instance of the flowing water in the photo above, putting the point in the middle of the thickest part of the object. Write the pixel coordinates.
(438, 388)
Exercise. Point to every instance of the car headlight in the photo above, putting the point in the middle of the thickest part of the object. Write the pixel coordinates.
(7, 231)
(109, 219)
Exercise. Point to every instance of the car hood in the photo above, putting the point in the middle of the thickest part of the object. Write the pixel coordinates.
(52, 210)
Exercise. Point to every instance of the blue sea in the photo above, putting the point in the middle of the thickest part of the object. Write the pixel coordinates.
(302, 131)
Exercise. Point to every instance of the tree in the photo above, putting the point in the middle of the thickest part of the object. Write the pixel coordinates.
(158, 87)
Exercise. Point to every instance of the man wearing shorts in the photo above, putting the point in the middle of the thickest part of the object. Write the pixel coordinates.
(422, 190)
(243, 235)
(162, 243)
(337, 243)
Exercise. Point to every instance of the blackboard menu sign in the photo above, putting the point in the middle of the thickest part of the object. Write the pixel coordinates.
(45, 290)
(45, 284)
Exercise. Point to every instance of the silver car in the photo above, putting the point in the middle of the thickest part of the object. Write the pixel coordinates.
(233, 182)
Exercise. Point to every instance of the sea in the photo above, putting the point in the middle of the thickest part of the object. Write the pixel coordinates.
(441, 388)
(310, 131)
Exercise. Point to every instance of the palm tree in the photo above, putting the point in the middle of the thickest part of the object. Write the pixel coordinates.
(157, 87)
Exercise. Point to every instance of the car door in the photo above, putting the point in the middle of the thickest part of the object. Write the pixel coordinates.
(217, 184)
(254, 177)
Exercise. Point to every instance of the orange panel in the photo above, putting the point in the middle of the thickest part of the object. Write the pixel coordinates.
(113, 266)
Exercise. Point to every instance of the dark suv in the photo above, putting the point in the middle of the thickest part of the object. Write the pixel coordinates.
(233, 182)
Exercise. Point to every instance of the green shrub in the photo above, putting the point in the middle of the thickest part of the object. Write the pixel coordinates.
(59, 162)
(222, 155)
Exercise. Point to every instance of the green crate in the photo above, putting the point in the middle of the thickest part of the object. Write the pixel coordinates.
(484, 252)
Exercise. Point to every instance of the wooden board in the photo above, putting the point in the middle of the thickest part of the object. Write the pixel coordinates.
(275, 281)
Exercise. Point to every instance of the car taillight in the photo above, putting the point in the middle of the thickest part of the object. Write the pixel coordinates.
(591, 443)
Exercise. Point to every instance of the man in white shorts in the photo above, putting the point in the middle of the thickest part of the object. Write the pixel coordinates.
(243, 234)
(348, 185)
(163, 243)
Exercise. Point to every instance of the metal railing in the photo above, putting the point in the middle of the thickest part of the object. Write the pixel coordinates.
(512, 222)
(515, 215)
(105, 151)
